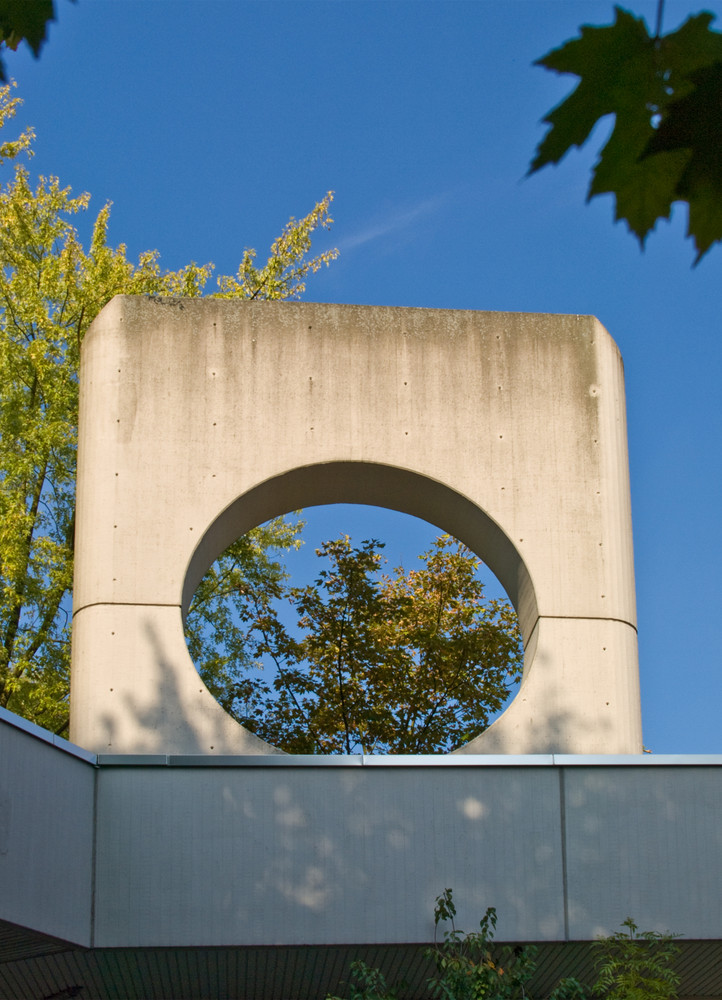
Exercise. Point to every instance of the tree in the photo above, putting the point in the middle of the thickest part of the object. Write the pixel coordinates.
(665, 92)
(636, 965)
(629, 965)
(50, 291)
(404, 663)
(466, 967)
(217, 625)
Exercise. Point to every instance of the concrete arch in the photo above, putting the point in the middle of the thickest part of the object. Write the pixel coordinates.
(200, 418)
(379, 486)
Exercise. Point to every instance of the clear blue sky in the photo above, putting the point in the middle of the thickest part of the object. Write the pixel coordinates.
(208, 123)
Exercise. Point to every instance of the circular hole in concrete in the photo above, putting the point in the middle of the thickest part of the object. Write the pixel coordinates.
(363, 648)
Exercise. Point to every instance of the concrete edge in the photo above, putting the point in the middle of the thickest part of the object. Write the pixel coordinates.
(404, 761)
(357, 760)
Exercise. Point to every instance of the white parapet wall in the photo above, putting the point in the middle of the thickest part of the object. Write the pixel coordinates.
(200, 419)
(128, 855)
(202, 850)
(351, 851)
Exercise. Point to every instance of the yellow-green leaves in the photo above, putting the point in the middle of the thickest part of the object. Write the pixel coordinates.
(11, 148)
(666, 144)
(284, 274)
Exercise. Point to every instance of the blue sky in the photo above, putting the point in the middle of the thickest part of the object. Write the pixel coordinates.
(208, 123)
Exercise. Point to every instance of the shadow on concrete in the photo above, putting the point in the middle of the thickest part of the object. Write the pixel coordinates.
(181, 715)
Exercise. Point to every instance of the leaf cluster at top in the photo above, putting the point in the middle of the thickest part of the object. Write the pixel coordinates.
(665, 92)
(24, 20)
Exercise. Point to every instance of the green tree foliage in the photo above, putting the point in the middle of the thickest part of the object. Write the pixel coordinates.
(367, 983)
(51, 288)
(636, 965)
(404, 663)
(630, 965)
(218, 628)
(466, 968)
(665, 92)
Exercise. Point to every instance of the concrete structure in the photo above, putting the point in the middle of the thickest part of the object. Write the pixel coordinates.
(200, 419)
(263, 877)
(177, 856)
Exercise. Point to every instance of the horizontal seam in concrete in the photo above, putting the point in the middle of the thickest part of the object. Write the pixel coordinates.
(176, 604)
(125, 604)
(583, 618)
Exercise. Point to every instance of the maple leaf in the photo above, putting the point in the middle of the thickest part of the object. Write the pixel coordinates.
(693, 127)
(601, 57)
(21, 19)
(666, 98)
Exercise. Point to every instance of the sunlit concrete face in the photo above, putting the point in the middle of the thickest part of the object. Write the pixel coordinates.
(200, 419)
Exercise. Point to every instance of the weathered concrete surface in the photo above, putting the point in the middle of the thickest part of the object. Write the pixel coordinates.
(200, 419)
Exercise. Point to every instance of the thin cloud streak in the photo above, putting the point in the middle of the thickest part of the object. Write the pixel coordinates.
(396, 222)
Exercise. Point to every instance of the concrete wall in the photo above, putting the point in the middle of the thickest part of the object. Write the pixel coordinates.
(200, 419)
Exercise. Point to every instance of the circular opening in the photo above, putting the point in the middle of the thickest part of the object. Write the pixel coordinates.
(397, 682)
(363, 631)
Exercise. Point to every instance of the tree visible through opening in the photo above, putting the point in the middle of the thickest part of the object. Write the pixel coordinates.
(321, 637)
